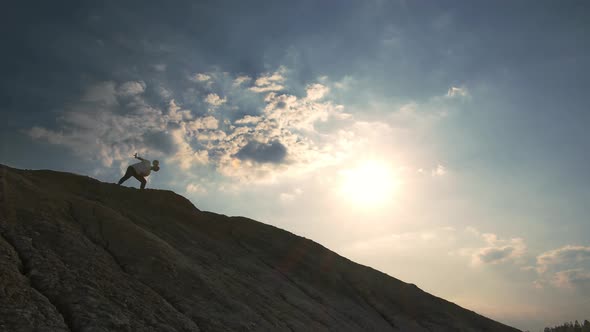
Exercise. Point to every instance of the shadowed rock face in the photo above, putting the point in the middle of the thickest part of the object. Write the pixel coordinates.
(77, 254)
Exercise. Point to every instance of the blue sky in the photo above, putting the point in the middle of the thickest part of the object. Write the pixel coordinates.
(443, 143)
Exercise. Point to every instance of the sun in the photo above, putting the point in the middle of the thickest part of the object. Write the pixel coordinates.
(369, 184)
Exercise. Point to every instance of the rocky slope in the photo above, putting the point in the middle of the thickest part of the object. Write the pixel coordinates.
(81, 255)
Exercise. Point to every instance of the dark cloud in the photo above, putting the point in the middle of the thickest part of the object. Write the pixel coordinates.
(160, 141)
(172, 125)
(578, 278)
(494, 255)
(273, 152)
(565, 255)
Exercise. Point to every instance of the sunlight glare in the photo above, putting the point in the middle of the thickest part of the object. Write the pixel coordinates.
(369, 184)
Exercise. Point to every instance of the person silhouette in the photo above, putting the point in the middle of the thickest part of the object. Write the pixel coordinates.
(140, 170)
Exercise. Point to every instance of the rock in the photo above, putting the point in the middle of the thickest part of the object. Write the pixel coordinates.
(78, 254)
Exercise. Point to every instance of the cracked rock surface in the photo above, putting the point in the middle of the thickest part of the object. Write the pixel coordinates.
(77, 254)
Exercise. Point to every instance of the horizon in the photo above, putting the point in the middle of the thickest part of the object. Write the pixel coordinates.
(443, 144)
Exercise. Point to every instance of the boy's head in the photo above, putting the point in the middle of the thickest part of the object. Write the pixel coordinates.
(156, 165)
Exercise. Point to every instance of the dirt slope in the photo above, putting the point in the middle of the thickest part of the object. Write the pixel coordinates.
(81, 255)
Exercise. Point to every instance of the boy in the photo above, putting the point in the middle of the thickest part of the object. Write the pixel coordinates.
(140, 170)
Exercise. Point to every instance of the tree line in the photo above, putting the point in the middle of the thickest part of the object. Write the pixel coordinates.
(570, 327)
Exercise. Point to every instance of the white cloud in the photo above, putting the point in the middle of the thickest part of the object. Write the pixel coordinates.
(131, 88)
(214, 100)
(164, 92)
(286, 197)
(440, 170)
(419, 117)
(408, 109)
(457, 92)
(211, 135)
(109, 126)
(195, 188)
(290, 111)
(248, 119)
(186, 156)
(241, 79)
(200, 77)
(277, 76)
(270, 81)
(316, 91)
(175, 113)
(290, 196)
(96, 129)
(345, 83)
(207, 122)
(267, 88)
(160, 67)
(102, 134)
(285, 121)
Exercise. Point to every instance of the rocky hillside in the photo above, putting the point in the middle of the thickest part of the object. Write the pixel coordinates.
(77, 254)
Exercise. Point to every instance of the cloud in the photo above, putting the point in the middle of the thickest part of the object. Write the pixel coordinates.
(266, 88)
(214, 100)
(207, 122)
(200, 77)
(248, 119)
(272, 152)
(440, 170)
(195, 188)
(345, 83)
(176, 114)
(102, 134)
(186, 156)
(457, 92)
(241, 79)
(270, 81)
(495, 250)
(164, 92)
(565, 256)
(131, 88)
(275, 135)
(495, 255)
(500, 251)
(40, 133)
(574, 278)
(160, 67)
(107, 126)
(316, 91)
(159, 141)
(288, 197)
(102, 94)
(565, 267)
(290, 111)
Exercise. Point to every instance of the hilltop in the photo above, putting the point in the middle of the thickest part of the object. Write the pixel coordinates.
(77, 254)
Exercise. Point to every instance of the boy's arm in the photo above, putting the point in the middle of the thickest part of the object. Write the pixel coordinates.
(138, 157)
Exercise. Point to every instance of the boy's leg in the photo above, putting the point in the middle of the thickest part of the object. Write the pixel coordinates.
(140, 179)
(129, 173)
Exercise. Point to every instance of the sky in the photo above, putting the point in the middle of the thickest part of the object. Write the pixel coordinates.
(441, 142)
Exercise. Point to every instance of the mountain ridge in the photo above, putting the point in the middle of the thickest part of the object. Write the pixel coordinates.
(82, 255)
